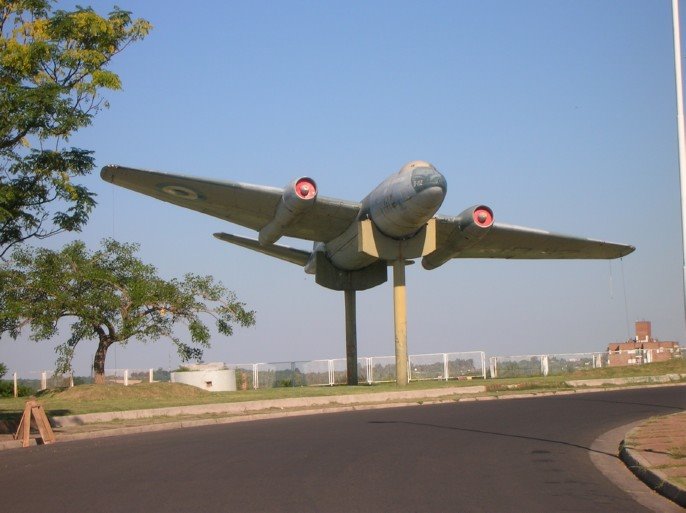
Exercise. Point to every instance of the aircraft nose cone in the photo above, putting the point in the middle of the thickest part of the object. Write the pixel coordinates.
(430, 187)
(429, 199)
(424, 178)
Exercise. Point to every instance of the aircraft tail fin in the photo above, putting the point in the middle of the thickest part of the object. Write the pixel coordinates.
(295, 256)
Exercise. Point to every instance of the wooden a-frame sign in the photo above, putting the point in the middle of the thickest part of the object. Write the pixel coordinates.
(35, 410)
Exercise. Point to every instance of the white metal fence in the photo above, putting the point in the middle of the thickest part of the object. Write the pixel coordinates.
(544, 364)
(375, 369)
(43, 380)
(128, 377)
(445, 366)
(47, 379)
(290, 374)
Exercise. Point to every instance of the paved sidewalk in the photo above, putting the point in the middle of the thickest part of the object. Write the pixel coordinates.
(656, 452)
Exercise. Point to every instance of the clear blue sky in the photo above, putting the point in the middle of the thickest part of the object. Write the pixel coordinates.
(558, 115)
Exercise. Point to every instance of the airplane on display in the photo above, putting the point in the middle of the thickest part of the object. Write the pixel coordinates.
(355, 242)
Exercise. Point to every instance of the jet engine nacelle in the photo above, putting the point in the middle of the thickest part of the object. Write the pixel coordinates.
(470, 226)
(298, 197)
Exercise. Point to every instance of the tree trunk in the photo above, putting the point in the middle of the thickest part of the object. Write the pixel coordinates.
(99, 361)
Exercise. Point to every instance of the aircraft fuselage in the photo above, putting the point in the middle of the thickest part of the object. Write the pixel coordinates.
(399, 207)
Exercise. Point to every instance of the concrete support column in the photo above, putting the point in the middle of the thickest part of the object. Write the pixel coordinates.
(351, 336)
(400, 318)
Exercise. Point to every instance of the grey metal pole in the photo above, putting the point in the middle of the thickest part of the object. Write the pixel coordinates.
(680, 131)
(351, 337)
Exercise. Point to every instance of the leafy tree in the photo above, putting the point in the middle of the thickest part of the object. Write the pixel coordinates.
(161, 374)
(3, 370)
(52, 69)
(112, 297)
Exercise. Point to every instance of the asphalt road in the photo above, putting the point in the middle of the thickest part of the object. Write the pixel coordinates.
(521, 455)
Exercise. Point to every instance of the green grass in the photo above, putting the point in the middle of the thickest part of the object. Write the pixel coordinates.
(100, 398)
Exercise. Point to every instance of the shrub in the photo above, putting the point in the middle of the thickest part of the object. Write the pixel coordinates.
(7, 390)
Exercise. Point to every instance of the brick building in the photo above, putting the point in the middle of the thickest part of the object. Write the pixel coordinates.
(642, 349)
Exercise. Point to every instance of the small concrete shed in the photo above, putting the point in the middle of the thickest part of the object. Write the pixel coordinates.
(214, 377)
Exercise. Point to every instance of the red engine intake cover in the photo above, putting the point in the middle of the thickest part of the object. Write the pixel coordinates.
(305, 188)
(483, 217)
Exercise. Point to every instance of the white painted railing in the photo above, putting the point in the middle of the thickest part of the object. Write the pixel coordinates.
(544, 364)
(374, 369)
(381, 369)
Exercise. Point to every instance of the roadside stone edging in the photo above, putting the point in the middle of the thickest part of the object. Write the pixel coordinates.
(270, 404)
(667, 378)
(652, 477)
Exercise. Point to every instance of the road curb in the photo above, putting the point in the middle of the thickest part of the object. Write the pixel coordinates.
(244, 407)
(665, 378)
(282, 408)
(149, 428)
(652, 477)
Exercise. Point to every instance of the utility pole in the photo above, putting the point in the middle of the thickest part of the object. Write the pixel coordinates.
(680, 132)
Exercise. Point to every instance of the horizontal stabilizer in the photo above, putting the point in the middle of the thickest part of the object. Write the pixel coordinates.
(295, 256)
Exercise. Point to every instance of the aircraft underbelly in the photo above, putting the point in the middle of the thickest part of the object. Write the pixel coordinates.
(344, 253)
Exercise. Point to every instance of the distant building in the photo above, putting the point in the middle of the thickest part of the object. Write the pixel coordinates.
(642, 349)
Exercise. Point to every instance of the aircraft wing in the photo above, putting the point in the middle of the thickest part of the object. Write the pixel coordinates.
(517, 242)
(252, 206)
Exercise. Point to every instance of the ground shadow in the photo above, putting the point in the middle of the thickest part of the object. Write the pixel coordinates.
(495, 433)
